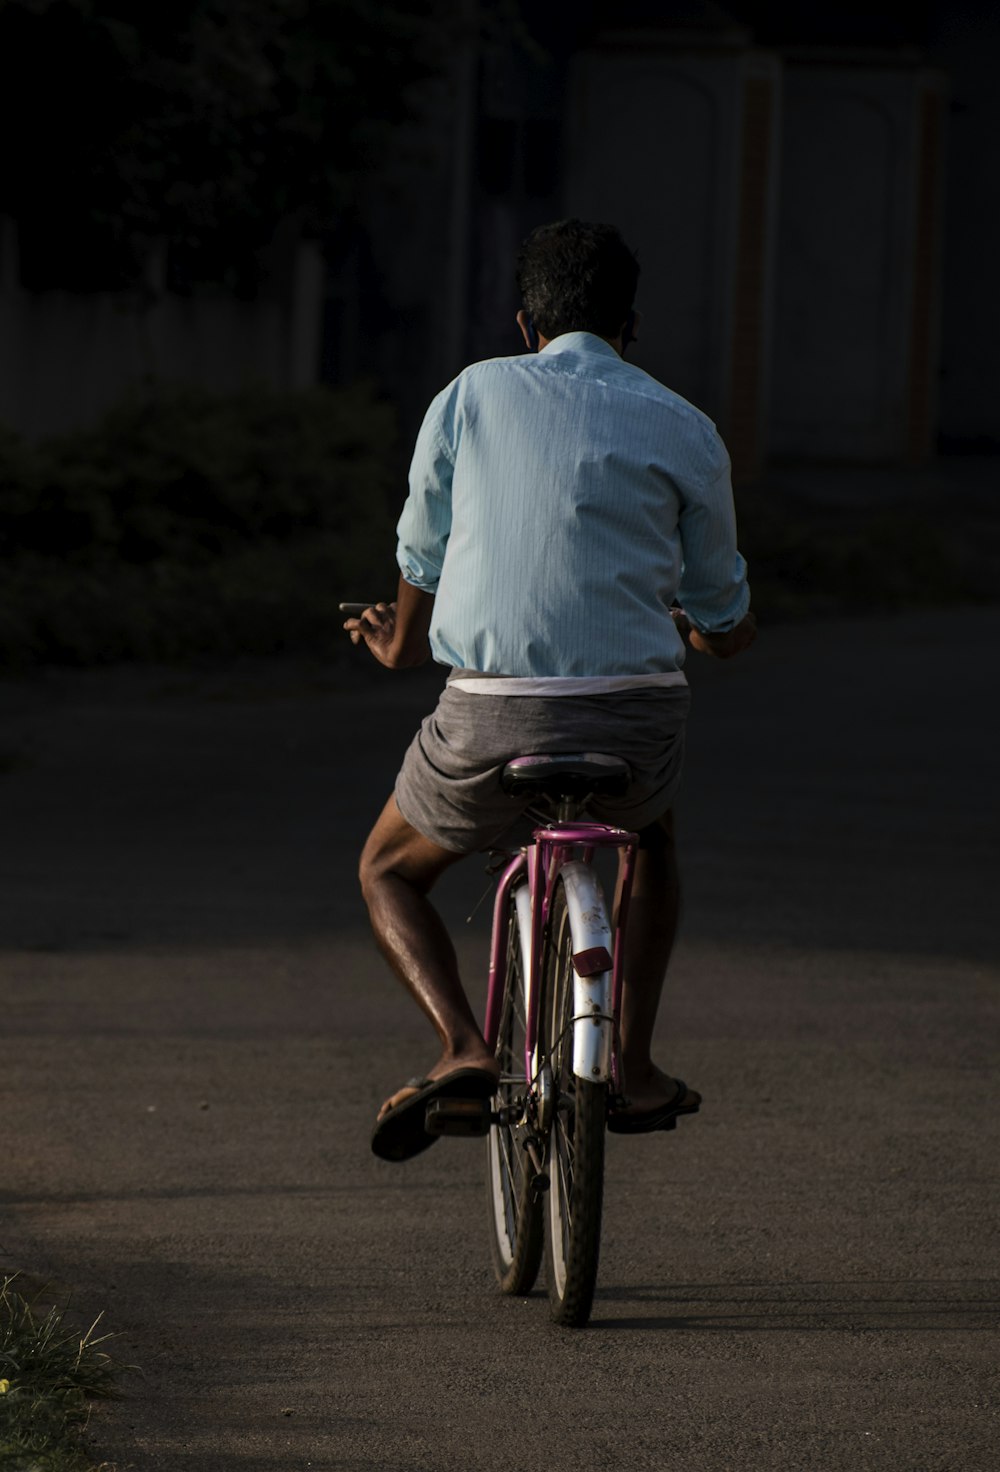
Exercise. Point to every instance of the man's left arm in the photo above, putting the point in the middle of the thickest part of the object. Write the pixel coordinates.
(397, 633)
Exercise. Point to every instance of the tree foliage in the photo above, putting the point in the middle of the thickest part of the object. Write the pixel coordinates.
(200, 122)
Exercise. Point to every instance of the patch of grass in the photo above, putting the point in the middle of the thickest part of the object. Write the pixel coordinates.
(48, 1376)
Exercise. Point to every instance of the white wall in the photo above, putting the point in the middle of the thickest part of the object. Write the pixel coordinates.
(659, 145)
(855, 343)
(67, 357)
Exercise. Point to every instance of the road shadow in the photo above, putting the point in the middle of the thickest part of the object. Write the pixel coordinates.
(848, 1306)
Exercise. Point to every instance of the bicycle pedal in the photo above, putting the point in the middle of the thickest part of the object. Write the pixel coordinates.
(458, 1117)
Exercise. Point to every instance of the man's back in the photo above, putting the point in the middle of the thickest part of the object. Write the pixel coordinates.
(553, 500)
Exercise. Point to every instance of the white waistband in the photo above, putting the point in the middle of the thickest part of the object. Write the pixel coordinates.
(548, 685)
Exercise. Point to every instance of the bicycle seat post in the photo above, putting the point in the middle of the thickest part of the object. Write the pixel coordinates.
(566, 809)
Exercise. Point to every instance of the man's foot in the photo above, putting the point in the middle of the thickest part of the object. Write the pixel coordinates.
(443, 1069)
(653, 1101)
(400, 1131)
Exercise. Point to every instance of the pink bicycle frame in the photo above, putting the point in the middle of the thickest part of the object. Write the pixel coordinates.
(548, 851)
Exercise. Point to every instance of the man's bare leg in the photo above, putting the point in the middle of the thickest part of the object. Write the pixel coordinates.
(654, 910)
(398, 868)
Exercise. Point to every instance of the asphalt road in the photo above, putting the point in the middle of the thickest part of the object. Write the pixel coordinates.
(197, 1033)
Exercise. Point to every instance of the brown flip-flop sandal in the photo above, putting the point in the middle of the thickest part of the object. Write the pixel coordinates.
(400, 1133)
(646, 1121)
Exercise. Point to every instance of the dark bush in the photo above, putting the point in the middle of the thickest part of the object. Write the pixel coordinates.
(190, 522)
(808, 560)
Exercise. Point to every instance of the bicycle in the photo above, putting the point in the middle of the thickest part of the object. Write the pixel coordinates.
(552, 1017)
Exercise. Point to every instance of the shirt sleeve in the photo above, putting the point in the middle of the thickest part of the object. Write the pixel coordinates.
(713, 590)
(425, 523)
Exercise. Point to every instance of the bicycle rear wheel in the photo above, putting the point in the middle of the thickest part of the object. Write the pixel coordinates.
(576, 1141)
(515, 1213)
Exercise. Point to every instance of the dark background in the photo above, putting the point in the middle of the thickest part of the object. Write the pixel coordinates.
(245, 241)
(241, 248)
(182, 154)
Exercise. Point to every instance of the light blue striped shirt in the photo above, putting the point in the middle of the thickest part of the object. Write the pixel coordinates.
(559, 502)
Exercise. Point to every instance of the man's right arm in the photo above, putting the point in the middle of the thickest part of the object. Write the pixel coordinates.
(713, 588)
(722, 646)
(733, 641)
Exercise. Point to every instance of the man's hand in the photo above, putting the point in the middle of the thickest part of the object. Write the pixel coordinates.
(377, 627)
(724, 646)
(396, 633)
(681, 621)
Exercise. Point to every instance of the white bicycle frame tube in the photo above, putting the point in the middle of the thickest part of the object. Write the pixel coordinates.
(522, 901)
(593, 1020)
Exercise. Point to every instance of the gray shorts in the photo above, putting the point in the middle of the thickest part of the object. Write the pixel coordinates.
(449, 785)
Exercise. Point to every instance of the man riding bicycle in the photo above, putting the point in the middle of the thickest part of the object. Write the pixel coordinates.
(560, 503)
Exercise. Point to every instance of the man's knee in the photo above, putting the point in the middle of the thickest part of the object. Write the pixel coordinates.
(384, 853)
(394, 848)
(371, 865)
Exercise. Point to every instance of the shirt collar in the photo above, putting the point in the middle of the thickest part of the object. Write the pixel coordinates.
(581, 342)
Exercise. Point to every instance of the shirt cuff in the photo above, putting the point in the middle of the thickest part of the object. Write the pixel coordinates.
(417, 574)
(721, 622)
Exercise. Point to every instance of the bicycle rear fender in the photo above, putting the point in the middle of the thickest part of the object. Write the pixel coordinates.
(593, 1021)
(522, 902)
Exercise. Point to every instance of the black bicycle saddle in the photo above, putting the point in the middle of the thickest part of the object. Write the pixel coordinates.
(571, 775)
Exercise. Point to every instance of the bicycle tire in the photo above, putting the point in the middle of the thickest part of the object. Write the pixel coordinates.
(515, 1212)
(575, 1153)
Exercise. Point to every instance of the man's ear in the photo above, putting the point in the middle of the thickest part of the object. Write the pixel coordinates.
(528, 331)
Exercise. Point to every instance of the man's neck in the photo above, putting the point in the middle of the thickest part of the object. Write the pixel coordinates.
(612, 342)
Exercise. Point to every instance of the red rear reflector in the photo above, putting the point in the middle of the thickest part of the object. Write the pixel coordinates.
(592, 962)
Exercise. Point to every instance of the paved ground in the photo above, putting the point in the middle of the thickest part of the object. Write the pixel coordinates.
(196, 1035)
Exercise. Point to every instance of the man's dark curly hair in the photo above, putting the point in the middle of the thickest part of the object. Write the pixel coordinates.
(577, 276)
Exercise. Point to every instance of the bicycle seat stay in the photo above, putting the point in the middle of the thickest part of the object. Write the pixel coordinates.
(571, 774)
